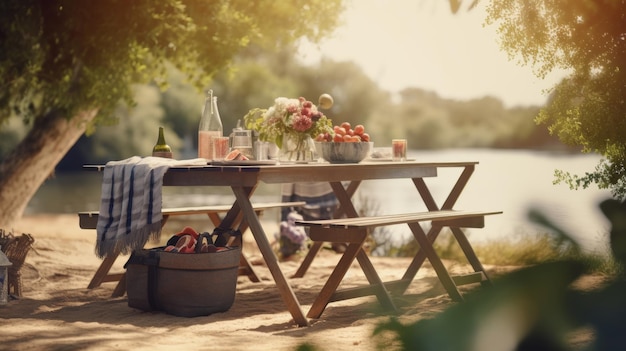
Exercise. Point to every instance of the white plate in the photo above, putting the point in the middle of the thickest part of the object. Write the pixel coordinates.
(297, 162)
(378, 160)
(243, 162)
(385, 160)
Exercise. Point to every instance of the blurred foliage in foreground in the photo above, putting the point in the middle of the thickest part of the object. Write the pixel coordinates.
(534, 308)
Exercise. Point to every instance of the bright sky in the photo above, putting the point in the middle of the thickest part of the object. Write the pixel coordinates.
(420, 43)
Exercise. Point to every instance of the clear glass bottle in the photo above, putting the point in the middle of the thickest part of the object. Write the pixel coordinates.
(210, 126)
(161, 149)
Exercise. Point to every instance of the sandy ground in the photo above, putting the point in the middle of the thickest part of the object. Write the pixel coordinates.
(58, 312)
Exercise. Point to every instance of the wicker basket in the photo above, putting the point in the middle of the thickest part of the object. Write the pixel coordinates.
(16, 249)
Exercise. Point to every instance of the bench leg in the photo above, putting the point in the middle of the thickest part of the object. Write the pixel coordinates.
(245, 268)
(354, 250)
(427, 247)
(470, 254)
(102, 274)
(416, 264)
(325, 295)
(215, 219)
(103, 271)
(372, 277)
(308, 259)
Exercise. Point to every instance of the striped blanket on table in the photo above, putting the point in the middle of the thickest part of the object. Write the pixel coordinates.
(130, 208)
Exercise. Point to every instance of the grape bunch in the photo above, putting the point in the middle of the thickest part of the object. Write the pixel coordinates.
(345, 133)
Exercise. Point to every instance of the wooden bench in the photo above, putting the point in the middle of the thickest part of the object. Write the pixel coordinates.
(89, 220)
(354, 231)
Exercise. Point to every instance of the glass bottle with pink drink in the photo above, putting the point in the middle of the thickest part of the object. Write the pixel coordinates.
(210, 126)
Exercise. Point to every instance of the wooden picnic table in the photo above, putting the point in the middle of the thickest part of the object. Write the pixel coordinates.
(344, 180)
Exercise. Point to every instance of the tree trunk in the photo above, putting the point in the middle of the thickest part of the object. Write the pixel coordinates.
(25, 169)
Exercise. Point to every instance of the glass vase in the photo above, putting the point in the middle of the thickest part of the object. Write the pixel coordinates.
(297, 148)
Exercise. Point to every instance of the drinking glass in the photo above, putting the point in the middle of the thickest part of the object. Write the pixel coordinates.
(398, 147)
(220, 147)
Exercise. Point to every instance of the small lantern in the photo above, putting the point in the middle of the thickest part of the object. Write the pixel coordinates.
(4, 278)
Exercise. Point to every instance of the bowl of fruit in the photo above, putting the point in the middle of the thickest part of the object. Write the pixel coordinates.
(344, 145)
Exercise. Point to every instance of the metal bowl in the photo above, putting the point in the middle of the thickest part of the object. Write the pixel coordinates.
(343, 152)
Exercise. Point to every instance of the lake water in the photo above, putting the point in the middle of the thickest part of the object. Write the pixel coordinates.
(508, 180)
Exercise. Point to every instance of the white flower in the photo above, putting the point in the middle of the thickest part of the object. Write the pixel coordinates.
(298, 118)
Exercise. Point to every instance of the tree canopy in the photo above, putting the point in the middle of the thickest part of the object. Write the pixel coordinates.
(71, 55)
(65, 64)
(586, 38)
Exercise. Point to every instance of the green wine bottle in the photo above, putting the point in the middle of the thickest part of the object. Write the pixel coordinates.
(161, 149)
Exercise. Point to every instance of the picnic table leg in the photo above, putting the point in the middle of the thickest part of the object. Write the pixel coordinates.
(287, 294)
(245, 268)
(244, 265)
(453, 196)
(235, 211)
(120, 288)
(458, 187)
(343, 194)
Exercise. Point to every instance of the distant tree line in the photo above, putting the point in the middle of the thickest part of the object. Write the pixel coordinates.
(426, 119)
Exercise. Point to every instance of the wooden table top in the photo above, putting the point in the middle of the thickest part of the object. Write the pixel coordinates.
(211, 175)
(311, 172)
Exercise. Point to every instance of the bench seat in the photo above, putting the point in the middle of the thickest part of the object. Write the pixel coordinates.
(89, 220)
(384, 220)
(354, 231)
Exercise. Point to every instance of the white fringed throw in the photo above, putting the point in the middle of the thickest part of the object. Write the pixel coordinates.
(130, 209)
